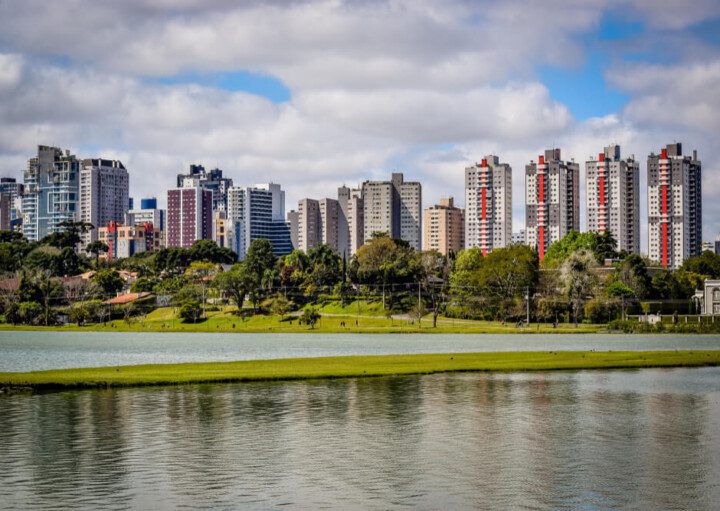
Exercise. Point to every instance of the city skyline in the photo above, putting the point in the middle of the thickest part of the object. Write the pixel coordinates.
(385, 86)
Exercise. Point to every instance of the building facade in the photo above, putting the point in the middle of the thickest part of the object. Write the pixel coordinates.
(444, 228)
(488, 204)
(308, 234)
(189, 216)
(14, 191)
(5, 203)
(351, 220)
(128, 240)
(51, 195)
(104, 194)
(552, 200)
(148, 212)
(212, 180)
(393, 207)
(254, 213)
(613, 197)
(674, 206)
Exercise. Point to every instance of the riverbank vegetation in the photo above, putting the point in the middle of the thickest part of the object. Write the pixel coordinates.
(353, 366)
(582, 281)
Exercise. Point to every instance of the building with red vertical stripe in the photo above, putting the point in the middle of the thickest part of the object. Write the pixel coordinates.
(552, 200)
(488, 204)
(613, 197)
(674, 206)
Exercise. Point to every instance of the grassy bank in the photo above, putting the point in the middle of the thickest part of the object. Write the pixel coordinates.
(339, 367)
(336, 320)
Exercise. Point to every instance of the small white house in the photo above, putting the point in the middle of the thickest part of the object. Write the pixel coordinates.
(709, 298)
(650, 319)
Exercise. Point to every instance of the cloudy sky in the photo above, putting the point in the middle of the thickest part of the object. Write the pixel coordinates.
(314, 94)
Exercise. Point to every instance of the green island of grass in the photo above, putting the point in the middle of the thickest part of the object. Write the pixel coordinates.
(351, 366)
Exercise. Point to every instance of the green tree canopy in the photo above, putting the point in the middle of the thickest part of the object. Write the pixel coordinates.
(706, 264)
(602, 246)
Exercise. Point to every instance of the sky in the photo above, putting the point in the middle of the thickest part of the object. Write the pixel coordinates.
(316, 94)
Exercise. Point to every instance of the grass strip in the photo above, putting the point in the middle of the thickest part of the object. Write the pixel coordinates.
(352, 366)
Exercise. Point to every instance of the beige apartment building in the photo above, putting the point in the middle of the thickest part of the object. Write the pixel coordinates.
(444, 227)
(393, 207)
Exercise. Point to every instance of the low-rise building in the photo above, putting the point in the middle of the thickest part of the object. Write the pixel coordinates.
(708, 298)
(128, 240)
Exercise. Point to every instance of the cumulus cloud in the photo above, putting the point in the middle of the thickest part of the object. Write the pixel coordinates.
(421, 86)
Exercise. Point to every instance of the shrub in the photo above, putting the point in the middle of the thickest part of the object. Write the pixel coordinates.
(29, 313)
(190, 311)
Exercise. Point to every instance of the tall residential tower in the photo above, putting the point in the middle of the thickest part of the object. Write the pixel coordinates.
(674, 206)
(613, 197)
(488, 204)
(552, 200)
(104, 191)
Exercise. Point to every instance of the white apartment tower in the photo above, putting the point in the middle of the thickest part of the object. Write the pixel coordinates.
(488, 204)
(674, 206)
(552, 200)
(613, 197)
(104, 192)
(393, 207)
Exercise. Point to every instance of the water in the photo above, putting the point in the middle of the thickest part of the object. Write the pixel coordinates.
(30, 351)
(644, 439)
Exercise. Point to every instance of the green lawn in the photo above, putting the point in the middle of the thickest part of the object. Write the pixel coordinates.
(165, 320)
(337, 367)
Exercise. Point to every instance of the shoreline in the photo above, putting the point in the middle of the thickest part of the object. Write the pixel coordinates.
(350, 367)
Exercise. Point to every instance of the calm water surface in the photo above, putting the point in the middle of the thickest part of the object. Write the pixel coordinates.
(29, 351)
(645, 439)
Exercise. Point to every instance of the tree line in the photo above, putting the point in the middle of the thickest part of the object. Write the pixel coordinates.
(572, 284)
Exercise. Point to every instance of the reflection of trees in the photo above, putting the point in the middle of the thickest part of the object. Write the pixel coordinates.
(557, 440)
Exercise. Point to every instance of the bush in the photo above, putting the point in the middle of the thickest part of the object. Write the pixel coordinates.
(83, 312)
(29, 313)
(190, 311)
(602, 310)
(310, 316)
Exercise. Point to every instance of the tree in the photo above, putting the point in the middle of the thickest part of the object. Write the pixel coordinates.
(706, 264)
(632, 272)
(96, 247)
(209, 251)
(201, 273)
(436, 270)
(108, 281)
(493, 284)
(418, 311)
(143, 284)
(325, 264)
(31, 313)
(259, 257)
(602, 246)
(190, 311)
(385, 263)
(50, 289)
(578, 281)
(280, 306)
(310, 316)
(235, 283)
(621, 291)
(69, 235)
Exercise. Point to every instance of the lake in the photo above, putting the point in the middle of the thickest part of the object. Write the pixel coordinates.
(36, 350)
(641, 439)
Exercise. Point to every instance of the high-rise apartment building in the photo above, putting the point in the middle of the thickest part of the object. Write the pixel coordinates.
(308, 235)
(318, 223)
(14, 192)
(104, 194)
(293, 221)
(393, 207)
(189, 216)
(674, 206)
(5, 211)
(613, 197)
(488, 204)
(552, 200)
(51, 192)
(212, 180)
(254, 213)
(351, 223)
(444, 228)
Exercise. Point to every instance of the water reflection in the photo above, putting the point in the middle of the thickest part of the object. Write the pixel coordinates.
(613, 439)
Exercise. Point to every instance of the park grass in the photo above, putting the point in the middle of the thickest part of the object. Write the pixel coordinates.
(352, 366)
(226, 320)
